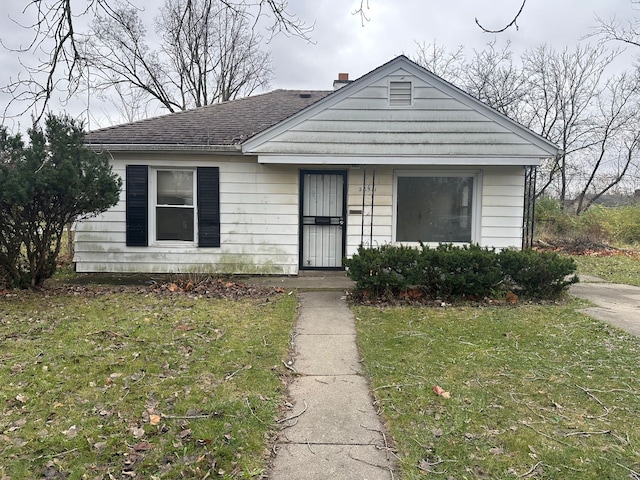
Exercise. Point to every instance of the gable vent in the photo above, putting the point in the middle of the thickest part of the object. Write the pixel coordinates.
(400, 94)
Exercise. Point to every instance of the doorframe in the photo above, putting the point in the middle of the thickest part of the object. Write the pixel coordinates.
(345, 176)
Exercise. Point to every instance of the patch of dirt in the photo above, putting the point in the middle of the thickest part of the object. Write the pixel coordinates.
(215, 288)
(209, 287)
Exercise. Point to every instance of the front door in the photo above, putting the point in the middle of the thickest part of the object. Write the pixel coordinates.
(322, 218)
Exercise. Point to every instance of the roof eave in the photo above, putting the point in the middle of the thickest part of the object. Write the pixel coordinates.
(155, 148)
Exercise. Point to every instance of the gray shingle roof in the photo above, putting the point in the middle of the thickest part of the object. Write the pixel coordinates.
(227, 123)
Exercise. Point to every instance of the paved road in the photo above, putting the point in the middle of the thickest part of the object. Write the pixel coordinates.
(616, 304)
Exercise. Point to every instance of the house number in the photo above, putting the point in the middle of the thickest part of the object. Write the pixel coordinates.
(368, 188)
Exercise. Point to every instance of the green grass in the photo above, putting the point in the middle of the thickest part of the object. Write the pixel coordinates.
(132, 385)
(536, 391)
(612, 268)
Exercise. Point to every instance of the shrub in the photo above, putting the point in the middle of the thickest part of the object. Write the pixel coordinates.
(452, 271)
(598, 224)
(550, 219)
(50, 183)
(537, 274)
(449, 271)
(386, 270)
(622, 224)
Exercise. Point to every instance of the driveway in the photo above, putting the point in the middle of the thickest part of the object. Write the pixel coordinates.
(615, 303)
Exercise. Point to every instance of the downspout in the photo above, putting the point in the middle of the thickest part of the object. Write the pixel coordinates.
(364, 190)
(373, 190)
(528, 220)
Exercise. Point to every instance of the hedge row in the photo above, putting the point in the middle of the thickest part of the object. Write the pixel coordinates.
(449, 271)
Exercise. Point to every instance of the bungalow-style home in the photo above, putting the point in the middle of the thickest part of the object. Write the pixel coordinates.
(295, 180)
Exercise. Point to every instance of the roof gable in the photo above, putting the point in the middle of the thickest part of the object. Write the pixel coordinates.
(358, 120)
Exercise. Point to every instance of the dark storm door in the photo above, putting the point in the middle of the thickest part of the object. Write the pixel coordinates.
(322, 218)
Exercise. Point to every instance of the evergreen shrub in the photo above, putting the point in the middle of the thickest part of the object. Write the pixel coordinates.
(458, 272)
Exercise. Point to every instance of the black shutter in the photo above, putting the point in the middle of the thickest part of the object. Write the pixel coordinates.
(208, 207)
(137, 205)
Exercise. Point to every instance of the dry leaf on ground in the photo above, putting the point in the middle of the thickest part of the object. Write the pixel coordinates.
(441, 392)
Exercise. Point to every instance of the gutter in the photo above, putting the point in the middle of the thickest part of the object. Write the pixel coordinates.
(170, 148)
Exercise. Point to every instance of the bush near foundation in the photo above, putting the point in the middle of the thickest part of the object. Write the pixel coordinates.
(458, 272)
(537, 274)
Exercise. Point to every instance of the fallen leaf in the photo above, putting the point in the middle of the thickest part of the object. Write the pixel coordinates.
(21, 398)
(137, 432)
(154, 419)
(441, 392)
(143, 446)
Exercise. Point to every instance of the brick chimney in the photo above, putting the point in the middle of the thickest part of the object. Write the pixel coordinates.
(343, 79)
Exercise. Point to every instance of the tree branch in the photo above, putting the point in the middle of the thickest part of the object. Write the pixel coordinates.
(513, 22)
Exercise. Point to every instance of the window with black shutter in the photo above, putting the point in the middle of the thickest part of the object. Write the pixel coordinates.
(173, 206)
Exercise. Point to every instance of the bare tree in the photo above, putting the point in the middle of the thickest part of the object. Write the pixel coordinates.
(437, 59)
(364, 7)
(614, 29)
(208, 53)
(492, 77)
(563, 96)
(617, 140)
(57, 31)
(512, 23)
(130, 104)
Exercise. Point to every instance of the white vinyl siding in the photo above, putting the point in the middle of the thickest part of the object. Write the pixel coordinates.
(259, 225)
(366, 123)
(502, 207)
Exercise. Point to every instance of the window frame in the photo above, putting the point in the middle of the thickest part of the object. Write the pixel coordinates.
(476, 207)
(153, 205)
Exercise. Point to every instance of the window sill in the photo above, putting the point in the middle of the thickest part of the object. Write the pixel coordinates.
(173, 244)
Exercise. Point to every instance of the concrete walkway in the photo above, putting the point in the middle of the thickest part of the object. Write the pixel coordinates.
(616, 304)
(333, 431)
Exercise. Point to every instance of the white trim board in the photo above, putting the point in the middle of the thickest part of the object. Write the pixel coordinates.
(384, 160)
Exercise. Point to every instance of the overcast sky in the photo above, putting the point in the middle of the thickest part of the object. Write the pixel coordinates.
(342, 44)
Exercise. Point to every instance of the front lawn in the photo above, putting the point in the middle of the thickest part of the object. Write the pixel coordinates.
(128, 383)
(623, 267)
(536, 391)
